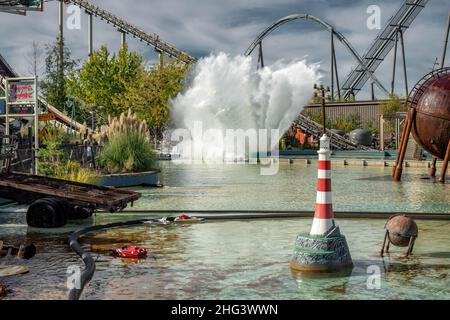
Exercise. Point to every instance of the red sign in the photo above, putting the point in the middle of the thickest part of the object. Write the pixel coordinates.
(21, 91)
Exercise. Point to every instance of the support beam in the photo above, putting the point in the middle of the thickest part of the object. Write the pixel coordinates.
(336, 74)
(445, 42)
(398, 169)
(90, 40)
(395, 63)
(382, 132)
(123, 39)
(332, 64)
(260, 56)
(372, 91)
(445, 164)
(432, 172)
(405, 73)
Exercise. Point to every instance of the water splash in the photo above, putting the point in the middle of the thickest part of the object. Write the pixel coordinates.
(229, 93)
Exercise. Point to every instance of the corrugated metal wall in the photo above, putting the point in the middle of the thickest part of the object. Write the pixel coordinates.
(368, 111)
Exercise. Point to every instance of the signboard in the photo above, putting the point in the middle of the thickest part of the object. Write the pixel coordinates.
(21, 91)
(21, 109)
(46, 117)
(2, 106)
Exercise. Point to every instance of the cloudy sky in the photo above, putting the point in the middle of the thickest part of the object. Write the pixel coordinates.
(201, 27)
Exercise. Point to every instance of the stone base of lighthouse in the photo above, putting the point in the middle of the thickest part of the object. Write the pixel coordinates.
(328, 253)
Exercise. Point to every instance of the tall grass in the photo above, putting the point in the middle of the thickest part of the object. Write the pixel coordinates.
(73, 171)
(127, 151)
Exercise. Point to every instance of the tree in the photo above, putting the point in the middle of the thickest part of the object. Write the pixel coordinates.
(57, 71)
(109, 81)
(34, 58)
(120, 82)
(159, 86)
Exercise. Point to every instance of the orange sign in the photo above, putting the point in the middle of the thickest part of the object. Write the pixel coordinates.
(46, 117)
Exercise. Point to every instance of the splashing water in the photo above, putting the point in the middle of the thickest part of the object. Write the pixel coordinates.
(229, 93)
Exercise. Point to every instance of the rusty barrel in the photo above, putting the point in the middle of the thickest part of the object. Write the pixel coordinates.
(431, 99)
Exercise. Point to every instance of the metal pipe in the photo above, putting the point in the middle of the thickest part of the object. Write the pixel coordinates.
(261, 57)
(337, 75)
(445, 42)
(395, 63)
(404, 64)
(90, 40)
(123, 39)
(332, 64)
(445, 164)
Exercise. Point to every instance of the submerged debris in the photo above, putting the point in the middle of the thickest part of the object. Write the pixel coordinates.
(3, 290)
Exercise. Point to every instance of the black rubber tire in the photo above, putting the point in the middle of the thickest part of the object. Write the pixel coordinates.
(79, 213)
(46, 213)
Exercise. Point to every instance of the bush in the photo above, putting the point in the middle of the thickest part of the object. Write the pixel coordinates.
(54, 163)
(73, 171)
(348, 122)
(128, 151)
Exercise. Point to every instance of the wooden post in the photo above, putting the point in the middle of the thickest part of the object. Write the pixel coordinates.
(432, 171)
(445, 164)
(398, 169)
(381, 132)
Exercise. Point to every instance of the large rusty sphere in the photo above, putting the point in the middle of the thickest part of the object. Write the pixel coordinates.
(401, 229)
(431, 128)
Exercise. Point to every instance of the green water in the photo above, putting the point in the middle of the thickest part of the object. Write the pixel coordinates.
(237, 187)
(245, 259)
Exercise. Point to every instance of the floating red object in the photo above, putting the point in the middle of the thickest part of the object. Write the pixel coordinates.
(130, 252)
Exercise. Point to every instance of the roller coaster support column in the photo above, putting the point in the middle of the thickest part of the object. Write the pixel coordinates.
(90, 41)
(445, 42)
(123, 39)
(398, 169)
(445, 164)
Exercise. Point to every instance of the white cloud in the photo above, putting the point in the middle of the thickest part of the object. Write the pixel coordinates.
(203, 26)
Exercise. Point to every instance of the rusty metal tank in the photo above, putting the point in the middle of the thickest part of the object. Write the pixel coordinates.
(401, 228)
(431, 99)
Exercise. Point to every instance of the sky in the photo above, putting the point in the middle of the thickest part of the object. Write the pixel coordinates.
(202, 27)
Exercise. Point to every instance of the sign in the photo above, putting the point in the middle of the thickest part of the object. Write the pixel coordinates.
(21, 91)
(2, 106)
(21, 109)
(47, 117)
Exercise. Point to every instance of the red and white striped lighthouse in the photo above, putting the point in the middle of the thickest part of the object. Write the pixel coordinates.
(323, 216)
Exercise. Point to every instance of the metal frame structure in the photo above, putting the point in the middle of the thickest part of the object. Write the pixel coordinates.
(34, 116)
(126, 28)
(382, 45)
(333, 33)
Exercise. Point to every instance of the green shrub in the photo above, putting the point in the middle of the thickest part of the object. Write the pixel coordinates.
(128, 151)
(73, 171)
(348, 122)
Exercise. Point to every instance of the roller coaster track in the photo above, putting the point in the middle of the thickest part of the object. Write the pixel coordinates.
(316, 130)
(124, 26)
(381, 46)
(323, 24)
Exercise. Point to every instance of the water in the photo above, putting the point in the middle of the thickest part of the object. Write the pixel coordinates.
(227, 93)
(241, 187)
(244, 259)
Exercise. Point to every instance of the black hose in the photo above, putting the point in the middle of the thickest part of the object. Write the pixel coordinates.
(89, 270)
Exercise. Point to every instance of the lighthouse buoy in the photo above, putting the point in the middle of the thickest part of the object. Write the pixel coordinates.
(324, 249)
